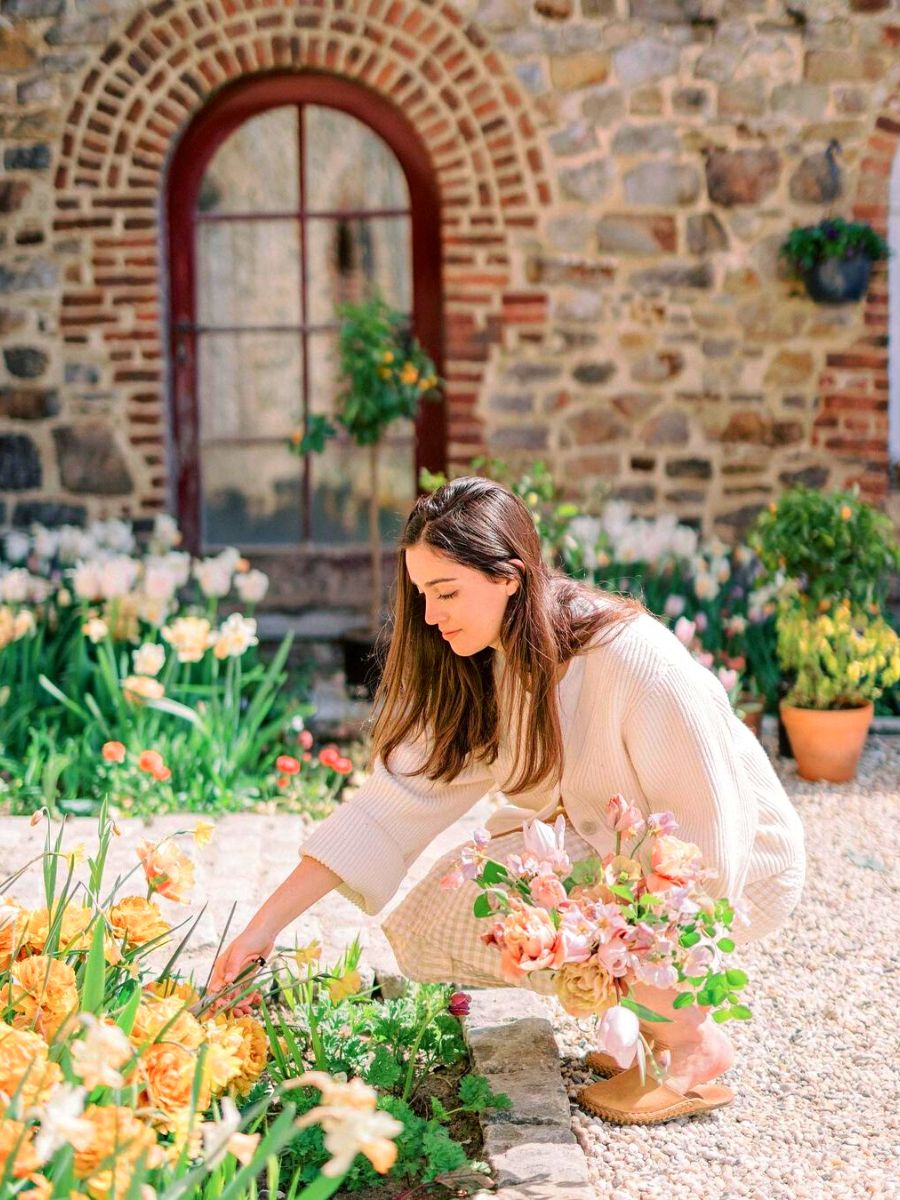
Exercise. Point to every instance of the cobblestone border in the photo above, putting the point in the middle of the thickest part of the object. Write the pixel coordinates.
(531, 1148)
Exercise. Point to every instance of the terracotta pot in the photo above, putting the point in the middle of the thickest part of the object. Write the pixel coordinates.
(753, 708)
(827, 743)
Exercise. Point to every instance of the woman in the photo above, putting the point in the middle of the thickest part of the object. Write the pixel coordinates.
(502, 674)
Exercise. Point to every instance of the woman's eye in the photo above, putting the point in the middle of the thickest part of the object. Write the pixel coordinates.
(448, 596)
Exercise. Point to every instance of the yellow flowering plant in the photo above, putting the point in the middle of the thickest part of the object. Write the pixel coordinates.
(839, 655)
(121, 1081)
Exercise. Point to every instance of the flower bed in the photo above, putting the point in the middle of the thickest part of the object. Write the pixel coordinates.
(119, 1077)
(105, 643)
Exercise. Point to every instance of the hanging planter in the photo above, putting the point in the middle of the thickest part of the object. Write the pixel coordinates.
(834, 258)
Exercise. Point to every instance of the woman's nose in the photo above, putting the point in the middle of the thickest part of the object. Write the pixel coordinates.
(431, 612)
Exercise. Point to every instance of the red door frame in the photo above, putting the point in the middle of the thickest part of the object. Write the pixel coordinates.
(232, 106)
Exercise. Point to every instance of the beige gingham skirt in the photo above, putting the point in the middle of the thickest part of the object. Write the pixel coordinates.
(435, 936)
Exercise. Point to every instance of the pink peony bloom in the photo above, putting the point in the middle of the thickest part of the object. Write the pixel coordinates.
(675, 861)
(619, 1033)
(547, 891)
(529, 941)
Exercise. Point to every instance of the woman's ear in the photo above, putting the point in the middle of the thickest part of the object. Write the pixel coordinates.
(513, 584)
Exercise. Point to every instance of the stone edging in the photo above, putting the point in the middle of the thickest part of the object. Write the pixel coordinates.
(531, 1149)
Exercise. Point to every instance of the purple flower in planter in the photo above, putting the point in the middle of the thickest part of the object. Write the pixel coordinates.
(459, 1005)
(830, 232)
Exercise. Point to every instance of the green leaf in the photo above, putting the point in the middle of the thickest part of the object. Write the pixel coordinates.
(683, 1000)
(482, 907)
(128, 1012)
(741, 1012)
(736, 978)
(721, 1015)
(689, 939)
(494, 872)
(725, 944)
(623, 892)
(384, 1070)
(93, 984)
(645, 1014)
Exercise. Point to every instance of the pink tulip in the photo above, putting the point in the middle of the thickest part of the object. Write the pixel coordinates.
(619, 1033)
(547, 891)
(684, 630)
(661, 823)
(623, 817)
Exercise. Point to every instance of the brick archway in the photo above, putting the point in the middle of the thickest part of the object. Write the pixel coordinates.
(852, 422)
(152, 80)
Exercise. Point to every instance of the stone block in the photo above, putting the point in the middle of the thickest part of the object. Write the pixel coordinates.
(645, 139)
(48, 512)
(645, 60)
(742, 176)
(27, 158)
(788, 368)
(539, 1160)
(635, 405)
(12, 194)
(742, 97)
(662, 184)
(531, 372)
(570, 72)
(705, 233)
(598, 8)
(38, 275)
(646, 101)
(674, 275)
(25, 362)
(604, 105)
(667, 429)
(520, 437)
(90, 461)
(635, 493)
(719, 63)
(837, 66)
(587, 183)
(594, 426)
(688, 101)
(28, 404)
(575, 138)
(16, 51)
(667, 12)
(689, 468)
(594, 372)
(657, 366)
(808, 100)
(817, 179)
(20, 463)
(508, 402)
(33, 9)
(554, 10)
(622, 233)
(812, 477)
(735, 525)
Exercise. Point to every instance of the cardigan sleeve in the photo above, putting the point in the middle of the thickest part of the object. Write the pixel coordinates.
(678, 737)
(373, 839)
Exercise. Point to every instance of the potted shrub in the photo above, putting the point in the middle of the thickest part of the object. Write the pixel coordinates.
(384, 373)
(841, 658)
(834, 258)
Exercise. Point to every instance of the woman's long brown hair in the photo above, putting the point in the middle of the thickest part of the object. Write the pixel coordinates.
(449, 700)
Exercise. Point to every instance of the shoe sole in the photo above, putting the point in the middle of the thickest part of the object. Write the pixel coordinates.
(620, 1117)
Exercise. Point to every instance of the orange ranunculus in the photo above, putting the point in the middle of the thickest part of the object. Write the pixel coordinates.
(169, 871)
(138, 688)
(137, 920)
(113, 752)
(120, 1138)
(163, 988)
(13, 930)
(286, 764)
(73, 928)
(167, 1071)
(152, 762)
(224, 1042)
(24, 1066)
(168, 1018)
(673, 862)
(42, 992)
(253, 1053)
(17, 1153)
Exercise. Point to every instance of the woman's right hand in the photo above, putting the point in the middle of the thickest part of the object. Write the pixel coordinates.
(254, 943)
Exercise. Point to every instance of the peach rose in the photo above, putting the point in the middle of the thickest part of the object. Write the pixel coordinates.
(584, 989)
(137, 920)
(169, 871)
(674, 862)
(138, 688)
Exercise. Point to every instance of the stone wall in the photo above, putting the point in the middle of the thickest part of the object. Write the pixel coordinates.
(617, 176)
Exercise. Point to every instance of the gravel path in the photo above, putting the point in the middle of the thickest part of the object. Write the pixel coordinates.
(816, 1109)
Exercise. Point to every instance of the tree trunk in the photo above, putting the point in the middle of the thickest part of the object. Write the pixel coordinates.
(374, 538)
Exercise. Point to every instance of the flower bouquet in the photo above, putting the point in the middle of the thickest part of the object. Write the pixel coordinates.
(600, 926)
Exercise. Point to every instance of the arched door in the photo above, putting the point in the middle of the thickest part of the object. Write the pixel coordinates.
(286, 196)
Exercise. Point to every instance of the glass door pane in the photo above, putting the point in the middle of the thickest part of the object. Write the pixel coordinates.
(256, 169)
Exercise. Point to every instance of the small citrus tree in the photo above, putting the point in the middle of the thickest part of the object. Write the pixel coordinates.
(385, 373)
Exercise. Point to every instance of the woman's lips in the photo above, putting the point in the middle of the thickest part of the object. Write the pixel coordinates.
(451, 633)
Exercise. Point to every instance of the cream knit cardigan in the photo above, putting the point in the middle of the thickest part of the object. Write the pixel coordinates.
(639, 716)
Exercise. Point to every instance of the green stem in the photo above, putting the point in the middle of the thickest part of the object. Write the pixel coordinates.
(408, 1083)
(321, 1188)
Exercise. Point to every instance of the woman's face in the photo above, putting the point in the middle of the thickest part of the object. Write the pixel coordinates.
(466, 606)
